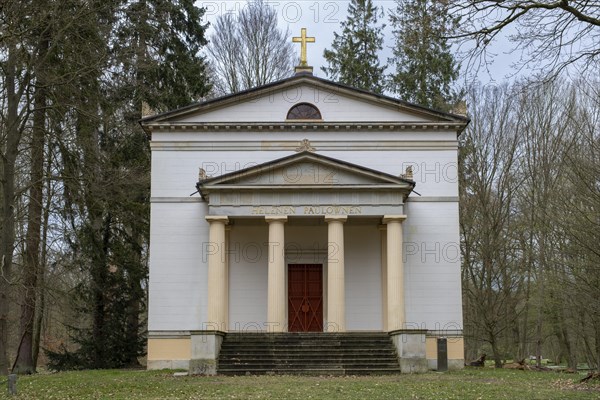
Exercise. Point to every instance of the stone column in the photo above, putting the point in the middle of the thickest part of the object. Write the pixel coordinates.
(395, 272)
(276, 300)
(336, 300)
(226, 302)
(217, 289)
(384, 280)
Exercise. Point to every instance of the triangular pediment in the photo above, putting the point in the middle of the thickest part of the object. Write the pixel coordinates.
(305, 170)
(270, 103)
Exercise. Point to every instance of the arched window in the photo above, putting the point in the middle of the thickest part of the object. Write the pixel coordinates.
(304, 111)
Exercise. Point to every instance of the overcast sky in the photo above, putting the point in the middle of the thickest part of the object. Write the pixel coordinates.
(322, 19)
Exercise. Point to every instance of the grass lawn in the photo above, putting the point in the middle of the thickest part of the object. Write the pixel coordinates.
(471, 383)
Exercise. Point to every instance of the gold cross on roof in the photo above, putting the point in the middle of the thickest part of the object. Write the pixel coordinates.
(303, 39)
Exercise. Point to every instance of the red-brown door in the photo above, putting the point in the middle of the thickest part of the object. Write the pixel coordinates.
(305, 298)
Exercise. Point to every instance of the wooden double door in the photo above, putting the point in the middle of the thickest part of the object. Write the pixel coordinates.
(305, 298)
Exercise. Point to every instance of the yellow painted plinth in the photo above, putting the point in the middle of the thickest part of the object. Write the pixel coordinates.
(169, 349)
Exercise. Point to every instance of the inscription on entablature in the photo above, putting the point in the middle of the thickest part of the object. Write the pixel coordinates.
(332, 210)
(273, 210)
(307, 210)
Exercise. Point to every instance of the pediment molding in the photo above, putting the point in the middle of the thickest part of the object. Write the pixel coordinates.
(250, 95)
(305, 184)
(305, 169)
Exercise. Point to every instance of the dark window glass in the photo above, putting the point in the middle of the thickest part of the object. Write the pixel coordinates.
(304, 111)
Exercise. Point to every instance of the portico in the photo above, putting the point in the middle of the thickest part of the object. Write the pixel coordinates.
(274, 194)
(277, 312)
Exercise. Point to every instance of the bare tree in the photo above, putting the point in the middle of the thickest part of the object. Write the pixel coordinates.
(530, 217)
(249, 50)
(547, 133)
(581, 223)
(15, 72)
(550, 34)
(491, 274)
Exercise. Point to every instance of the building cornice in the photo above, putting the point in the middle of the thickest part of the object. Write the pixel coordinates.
(292, 145)
(302, 126)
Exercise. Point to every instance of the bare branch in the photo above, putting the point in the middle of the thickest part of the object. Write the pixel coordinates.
(552, 35)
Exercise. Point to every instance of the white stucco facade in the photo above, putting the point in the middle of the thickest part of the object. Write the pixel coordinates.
(368, 135)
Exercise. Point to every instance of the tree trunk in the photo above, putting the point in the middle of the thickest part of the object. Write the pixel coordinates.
(539, 339)
(524, 346)
(135, 290)
(7, 189)
(495, 352)
(24, 363)
(597, 355)
(99, 275)
(570, 349)
(40, 301)
(133, 322)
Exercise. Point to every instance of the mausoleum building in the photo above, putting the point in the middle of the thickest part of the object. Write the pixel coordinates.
(303, 206)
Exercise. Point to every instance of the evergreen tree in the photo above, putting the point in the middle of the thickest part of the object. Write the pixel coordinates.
(353, 59)
(148, 51)
(424, 65)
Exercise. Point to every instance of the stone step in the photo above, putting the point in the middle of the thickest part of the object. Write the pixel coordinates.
(305, 347)
(312, 342)
(314, 371)
(293, 361)
(314, 347)
(305, 364)
(320, 336)
(300, 356)
(309, 340)
(323, 346)
(358, 353)
(308, 353)
(279, 366)
(288, 363)
(293, 339)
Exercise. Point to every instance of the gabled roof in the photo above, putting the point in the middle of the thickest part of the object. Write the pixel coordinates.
(362, 177)
(308, 79)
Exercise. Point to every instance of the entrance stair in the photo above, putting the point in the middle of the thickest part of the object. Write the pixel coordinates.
(352, 353)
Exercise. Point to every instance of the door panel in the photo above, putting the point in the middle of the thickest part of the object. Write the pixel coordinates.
(305, 298)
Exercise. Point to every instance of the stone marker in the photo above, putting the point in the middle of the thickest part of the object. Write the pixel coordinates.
(442, 354)
(12, 384)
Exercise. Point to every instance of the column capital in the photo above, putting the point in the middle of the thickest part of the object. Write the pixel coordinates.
(393, 218)
(336, 218)
(275, 218)
(217, 218)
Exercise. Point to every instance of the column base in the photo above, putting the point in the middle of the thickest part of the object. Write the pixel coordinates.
(203, 367)
(413, 365)
(206, 346)
(410, 346)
